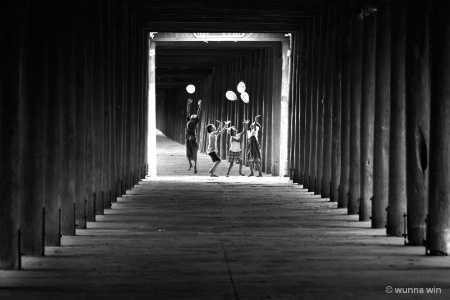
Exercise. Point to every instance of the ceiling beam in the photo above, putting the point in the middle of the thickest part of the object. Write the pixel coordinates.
(219, 37)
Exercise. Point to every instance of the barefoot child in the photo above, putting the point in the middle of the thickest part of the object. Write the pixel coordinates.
(234, 154)
(212, 145)
(254, 151)
(191, 139)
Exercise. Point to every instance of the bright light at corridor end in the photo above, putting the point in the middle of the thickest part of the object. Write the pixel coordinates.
(151, 119)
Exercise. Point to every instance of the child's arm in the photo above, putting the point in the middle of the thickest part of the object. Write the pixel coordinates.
(225, 127)
(188, 109)
(199, 110)
(218, 127)
(244, 127)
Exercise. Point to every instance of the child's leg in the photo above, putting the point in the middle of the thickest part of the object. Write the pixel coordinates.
(190, 164)
(213, 169)
(251, 169)
(258, 164)
(240, 167)
(195, 166)
(229, 168)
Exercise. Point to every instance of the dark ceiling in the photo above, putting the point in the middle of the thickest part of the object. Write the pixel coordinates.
(179, 62)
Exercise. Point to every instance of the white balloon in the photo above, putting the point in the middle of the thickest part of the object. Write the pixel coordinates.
(231, 95)
(241, 87)
(245, 97)
(190, 89)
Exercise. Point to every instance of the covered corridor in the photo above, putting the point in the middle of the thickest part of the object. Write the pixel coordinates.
(180, 236)
(353, 98)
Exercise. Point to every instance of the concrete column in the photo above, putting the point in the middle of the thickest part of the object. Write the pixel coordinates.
(33, 121)
(291, 139)
(89, 137)
(336, 115)
(126, 107)
(397, 143)
(267, 136)
(107, 172)
(283, 165)
(112, 88)
(328, 102)
(417, 118)
(438, 239)
(55, 96)
(258, 107)
(276, 109)
(382, 116)
(303, 102)
(355, 113)
(67, 124)
(119, 96)
(10, 39)
(346, 60)
(309, 92)
(296, 108)
(130, 100)
(291, 109)
(98, 107)
(367, 116)
(320, 100)
(314, 103)
(80, 112)
(151, 158)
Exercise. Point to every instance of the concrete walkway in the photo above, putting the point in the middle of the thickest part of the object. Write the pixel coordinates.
(186, 236)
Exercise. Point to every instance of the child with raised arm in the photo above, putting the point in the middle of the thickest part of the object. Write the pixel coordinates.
(190, 134)
(234, 154)
(213, 133)
(254, 151)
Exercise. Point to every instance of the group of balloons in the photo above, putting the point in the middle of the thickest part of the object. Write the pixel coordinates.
(241, 89)
(230, 94)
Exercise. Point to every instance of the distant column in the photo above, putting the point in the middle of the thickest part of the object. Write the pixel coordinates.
(151, 156)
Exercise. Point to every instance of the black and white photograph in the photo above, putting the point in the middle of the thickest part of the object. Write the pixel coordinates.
(224, 150)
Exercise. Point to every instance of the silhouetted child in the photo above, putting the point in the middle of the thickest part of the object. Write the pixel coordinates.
(234, 154)
(190, 137)
(212, 145)
(254, 151)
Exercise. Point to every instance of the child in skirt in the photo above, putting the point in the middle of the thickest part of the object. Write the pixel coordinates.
(190, 137)
(254, 151)
(234, 154)
(212, 145)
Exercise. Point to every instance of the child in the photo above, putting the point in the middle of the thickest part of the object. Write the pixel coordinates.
(234, 154)
(254, 151)
(212, 145)
(190, 138)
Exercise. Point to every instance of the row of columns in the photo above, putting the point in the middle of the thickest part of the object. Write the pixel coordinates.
(354, 137)
(73, 118)
(261, 72)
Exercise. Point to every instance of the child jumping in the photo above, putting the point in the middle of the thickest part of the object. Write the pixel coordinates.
(212, 145)
(254, 151)
(234, 154)
(190, 137)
